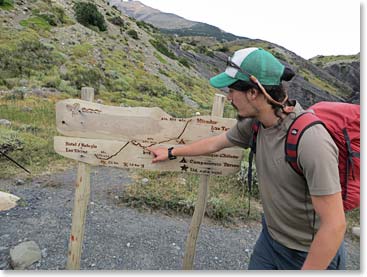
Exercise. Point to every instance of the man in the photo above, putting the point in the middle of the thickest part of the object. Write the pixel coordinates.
(304, 221)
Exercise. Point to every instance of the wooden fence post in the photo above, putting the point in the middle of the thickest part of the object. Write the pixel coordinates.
(81, 199)
(217, 110)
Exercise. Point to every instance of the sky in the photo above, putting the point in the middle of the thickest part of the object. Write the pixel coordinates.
(307, 28)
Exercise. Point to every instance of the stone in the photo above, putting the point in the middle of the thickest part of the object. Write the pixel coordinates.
(181, 181)
(356, 231)
(5, 122)
(3, 265)
(44, 253)
(145, 181)
(25, 254)
(7, 201)
(19, 182)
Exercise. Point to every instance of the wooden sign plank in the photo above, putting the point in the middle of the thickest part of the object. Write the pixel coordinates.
(133, 154)
(77, 118)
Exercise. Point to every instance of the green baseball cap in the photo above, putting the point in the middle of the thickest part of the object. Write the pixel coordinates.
(250, 61)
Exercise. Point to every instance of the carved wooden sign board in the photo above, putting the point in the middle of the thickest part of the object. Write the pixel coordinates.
(118, 136)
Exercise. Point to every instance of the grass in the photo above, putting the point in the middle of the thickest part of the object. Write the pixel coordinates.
(33, 127)
(7, 5)
(323, 60)
(177, 193)
(36, 22)
(308, 76)
(353, 218)
(32, 131)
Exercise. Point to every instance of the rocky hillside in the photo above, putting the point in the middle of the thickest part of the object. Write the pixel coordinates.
(170, 23)
(345, 69)
(129, 62)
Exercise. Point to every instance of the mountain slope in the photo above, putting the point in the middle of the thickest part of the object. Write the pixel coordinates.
(344, 68)
(170, 23)
(141, 12)
(132, 63)
(124, 68)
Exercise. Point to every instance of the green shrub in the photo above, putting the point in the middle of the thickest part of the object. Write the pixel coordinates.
(184, 62)
(117, 20)
(9, 140)
(133, 34)
(36, 23)
(146, 26)
(29, 57)
(82, 77)
(162, 48)
(88, 15)
(51, 81)
(50, 18)
(223, 49)
(6, 4)
(82, 50)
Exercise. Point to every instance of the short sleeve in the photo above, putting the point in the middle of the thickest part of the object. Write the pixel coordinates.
(318, 157)
(241, 133)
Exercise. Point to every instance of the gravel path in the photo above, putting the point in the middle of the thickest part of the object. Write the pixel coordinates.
(117, 237)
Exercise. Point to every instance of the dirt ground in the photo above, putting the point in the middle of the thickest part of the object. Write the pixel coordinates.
(116, 237)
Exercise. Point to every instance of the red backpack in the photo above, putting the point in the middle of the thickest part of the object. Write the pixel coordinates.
(342, 121)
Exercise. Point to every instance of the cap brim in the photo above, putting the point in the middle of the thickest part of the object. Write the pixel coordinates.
(222, 80)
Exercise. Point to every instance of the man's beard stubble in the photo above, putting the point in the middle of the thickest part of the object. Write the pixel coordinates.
(238, 117)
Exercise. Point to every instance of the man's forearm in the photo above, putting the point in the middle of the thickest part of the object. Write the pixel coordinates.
(324, 247)
(197, 148)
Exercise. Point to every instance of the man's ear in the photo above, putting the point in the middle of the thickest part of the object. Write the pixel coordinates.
(253, 93)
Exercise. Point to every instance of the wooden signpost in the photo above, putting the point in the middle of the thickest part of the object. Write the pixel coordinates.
(96, 134)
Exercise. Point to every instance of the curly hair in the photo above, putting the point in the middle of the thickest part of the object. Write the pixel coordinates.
(277, 92)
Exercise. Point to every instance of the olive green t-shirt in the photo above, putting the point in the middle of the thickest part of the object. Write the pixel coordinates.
(284, 194)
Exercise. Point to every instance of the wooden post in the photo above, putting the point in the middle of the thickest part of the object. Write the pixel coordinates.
(81, 199)
(217, 110)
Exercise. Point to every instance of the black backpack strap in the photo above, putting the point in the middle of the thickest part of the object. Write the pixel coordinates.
(350, 164)
(255, 130)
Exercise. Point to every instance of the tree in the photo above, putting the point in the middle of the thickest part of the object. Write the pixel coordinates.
(88, 15)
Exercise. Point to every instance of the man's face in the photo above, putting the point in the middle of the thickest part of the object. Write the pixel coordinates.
(240, 101)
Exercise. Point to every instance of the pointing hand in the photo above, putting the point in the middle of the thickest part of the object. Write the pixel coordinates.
(160, 154)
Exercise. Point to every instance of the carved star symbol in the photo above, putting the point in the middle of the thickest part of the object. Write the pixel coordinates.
(184, 168)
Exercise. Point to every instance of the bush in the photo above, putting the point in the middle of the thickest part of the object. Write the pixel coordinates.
(184, 62)
(82, 77)
(9, 140)
(6, 4)
(118, 21)
(88, 15)
(162, 48)
(50, 18)
(30, 57)
(133, 34)
(223, 49)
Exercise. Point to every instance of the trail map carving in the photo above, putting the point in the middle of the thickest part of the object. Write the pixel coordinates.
(118, 136)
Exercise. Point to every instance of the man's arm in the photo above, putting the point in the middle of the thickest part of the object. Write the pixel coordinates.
(201, 147)
(331, 233)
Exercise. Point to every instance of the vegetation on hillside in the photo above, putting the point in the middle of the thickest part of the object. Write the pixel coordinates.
(88, 15)
(323, 60)
(49, 49)
(29, 138)
(202, 29)
(6, 4)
